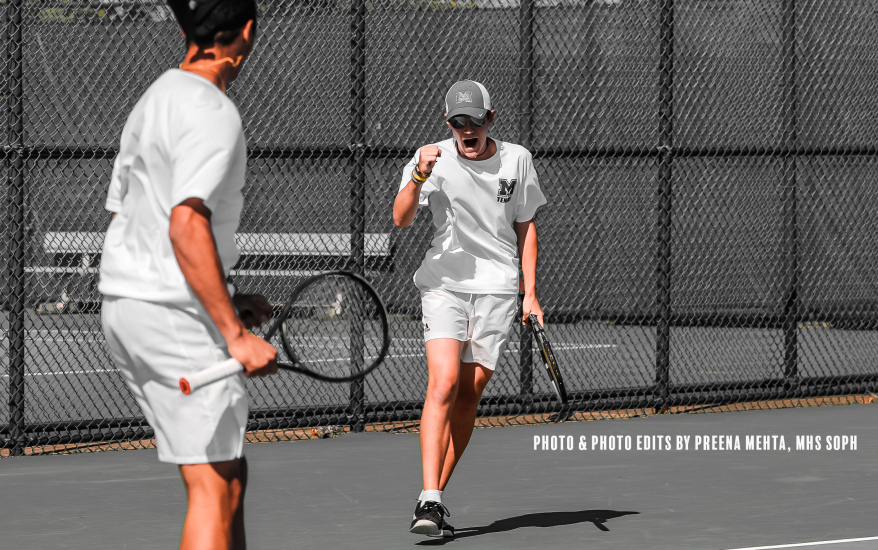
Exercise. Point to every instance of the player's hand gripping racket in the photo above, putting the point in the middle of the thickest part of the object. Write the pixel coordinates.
(333, 328)
(548, 358)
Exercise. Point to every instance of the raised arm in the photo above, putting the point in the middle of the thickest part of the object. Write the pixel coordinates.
(195, 250)
(406, 204)
(526, 234)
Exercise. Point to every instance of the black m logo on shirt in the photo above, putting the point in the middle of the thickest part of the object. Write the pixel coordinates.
(506, 189)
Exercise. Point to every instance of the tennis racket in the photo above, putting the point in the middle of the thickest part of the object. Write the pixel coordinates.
(333, 328)
(548, 358)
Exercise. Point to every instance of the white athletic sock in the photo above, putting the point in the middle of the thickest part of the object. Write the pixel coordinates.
(431, 495)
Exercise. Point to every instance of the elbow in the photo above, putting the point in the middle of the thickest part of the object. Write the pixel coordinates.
(175, 233)
(177, 230)
(400, 219)
(189, 220)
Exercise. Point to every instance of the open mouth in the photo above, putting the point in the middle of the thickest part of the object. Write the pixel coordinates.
(470, 143)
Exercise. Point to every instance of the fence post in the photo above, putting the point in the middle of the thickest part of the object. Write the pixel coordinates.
(664, 205)
(790, 206)
(358, 195)
(525, 87)
(526, 69)
(17, 246)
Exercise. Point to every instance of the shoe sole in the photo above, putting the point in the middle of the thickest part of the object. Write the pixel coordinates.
(424, 527)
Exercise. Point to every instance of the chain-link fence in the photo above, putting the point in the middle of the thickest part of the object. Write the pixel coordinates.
(710, 167)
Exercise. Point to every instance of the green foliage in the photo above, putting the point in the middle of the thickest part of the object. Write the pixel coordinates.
(77, 11)
(71, 15)
(286, 7)
(437, 4)
(82, 12)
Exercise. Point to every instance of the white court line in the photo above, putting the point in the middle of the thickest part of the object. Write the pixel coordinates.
(33, 336)
(561, 346)
(581, 346)
(800, 544)
(397, 356)
(62, 339)
(344, 359)
(65, 331)
(406, 355)
(63, 372)
(45, 331)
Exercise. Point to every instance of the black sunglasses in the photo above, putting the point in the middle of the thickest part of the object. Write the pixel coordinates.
(459, 122)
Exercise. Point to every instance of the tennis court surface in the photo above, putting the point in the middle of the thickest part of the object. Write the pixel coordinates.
(357, 491)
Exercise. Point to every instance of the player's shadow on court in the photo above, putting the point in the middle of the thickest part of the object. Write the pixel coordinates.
(541, 519)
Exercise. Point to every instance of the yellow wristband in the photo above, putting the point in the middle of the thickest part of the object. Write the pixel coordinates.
(418, 177)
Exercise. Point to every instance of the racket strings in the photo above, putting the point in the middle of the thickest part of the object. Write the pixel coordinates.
(334, 327)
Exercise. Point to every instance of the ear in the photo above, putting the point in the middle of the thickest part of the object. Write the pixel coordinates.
(247, 32)
(491, 116)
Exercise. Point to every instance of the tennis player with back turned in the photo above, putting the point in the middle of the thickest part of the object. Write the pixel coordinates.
(483, 195)
(167, 312)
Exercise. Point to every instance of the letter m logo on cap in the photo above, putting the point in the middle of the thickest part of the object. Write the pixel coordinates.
(467, 97)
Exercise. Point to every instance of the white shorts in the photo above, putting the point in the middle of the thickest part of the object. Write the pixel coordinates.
(154, 345)
(482, 321)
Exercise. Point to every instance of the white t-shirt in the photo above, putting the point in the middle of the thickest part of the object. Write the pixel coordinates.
(474, 204)
(184, 139)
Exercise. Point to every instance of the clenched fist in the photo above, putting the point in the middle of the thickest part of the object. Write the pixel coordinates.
(428, 157)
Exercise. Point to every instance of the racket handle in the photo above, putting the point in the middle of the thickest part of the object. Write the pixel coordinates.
(534, 321)
(210, 375)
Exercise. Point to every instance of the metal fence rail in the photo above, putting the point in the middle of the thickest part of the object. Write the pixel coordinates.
(710, 237)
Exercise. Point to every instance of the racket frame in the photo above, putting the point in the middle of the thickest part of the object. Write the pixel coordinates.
(548, 358)
(296, 365)
(230, 367)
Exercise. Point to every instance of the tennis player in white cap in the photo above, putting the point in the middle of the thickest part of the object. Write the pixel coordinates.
(483, 194)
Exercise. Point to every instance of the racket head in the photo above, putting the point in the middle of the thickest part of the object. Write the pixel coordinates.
(548, 358)
(333, 327)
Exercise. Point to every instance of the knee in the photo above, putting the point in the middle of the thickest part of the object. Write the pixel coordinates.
(442, 390)
(468, 398)
(234, 493)
(222, 487)
(227, 491)
(470, 392)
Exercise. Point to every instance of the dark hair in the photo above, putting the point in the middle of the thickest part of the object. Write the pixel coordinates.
(206, 22)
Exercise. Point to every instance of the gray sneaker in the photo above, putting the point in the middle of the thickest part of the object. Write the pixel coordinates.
(429, 520)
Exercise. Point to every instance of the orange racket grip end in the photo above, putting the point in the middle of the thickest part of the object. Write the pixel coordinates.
(184, 386)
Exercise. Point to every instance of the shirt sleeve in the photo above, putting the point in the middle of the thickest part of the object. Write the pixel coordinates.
(531, 196)
(119, 180)
(118, 186)
(426, 189)
(203, 154)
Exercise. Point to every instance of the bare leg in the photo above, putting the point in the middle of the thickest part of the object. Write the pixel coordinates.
(239, 540)
(473, 379)
(443, 363)
(215, 517)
